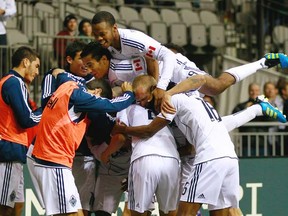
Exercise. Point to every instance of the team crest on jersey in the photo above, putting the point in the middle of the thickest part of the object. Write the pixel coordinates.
(12, 196)
(73, 200)
(151, 51)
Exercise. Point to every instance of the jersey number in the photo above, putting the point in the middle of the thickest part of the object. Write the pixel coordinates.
(213, 114)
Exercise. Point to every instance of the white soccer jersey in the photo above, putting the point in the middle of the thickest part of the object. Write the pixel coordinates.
(203, 127)
(135, 43)
(126, 70)
(162, 143)
(184, 68)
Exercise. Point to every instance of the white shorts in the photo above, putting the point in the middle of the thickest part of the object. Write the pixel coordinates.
(20, 192)
(152, 205)
(108, 193)
(11, 174)
(215, 183)
(58, 189)
(85, 176)
(31, 169)
(186, 168)
(154, 174)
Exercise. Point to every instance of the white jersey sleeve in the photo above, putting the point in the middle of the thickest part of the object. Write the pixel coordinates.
(135, 43)
(162, 143)
(126, 70)
(203, 127)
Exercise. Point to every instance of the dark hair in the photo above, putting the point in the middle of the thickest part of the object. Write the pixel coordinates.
(68, 18)
(96, 50)
(177, 48)
(81, 24)
(22, 53)
(103, 84)
(103, 16)
(73, 48)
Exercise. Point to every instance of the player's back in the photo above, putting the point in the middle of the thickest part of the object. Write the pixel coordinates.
(184, 69)
(203, 127)
(162, 143)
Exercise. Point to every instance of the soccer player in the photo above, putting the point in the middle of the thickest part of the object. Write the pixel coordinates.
(107, 192)
(202, 126)
(154, 166)
(127, 44)
(60, 132)
(16, 117)
(73, 65)
(186, 68)
(117, 71)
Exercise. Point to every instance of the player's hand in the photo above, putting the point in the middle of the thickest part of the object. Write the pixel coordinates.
(158, 95)
(2, 12)
(166, 105)
(57, 71)
(126, 86)
(118, 128)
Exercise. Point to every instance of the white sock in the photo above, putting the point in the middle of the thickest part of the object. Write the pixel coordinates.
(238, 119)
(243, 71)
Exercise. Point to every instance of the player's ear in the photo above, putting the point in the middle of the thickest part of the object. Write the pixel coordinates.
(69, 59)
(98, 91)
(152, 88)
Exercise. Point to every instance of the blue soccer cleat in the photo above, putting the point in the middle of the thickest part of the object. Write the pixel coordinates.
(273, 59)
(269, 110)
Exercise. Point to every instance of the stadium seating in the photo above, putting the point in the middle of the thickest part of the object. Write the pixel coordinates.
(189, 17)
(16, 37)
(169, 16)
(150, 15)
(178, 34)
(217, 35)
(279, 35)
(198, 37)
(129, 14)
(208, 17)
(158, 31)
(139, 25)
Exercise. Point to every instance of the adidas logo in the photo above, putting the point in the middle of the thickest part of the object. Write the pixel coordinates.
(138, 206)
(201, 196)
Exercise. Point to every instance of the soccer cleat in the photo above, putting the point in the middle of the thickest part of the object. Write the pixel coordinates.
(269, 110)
(273, 59)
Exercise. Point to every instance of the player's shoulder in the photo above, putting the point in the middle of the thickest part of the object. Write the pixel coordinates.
(179, 97)
(12, 81)
(129, 32)
(132, 35)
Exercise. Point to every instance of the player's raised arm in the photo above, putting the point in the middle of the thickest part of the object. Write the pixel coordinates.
(188, 84)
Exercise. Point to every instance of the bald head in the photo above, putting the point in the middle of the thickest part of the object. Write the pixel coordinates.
(145, 82)
(143, 87)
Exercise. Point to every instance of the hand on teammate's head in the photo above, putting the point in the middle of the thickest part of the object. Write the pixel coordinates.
(158, 95)
(126, 86)
(166, 106)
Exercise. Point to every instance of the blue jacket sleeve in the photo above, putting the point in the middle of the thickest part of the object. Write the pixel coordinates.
(85, 102)
(15, 94)
(48, 86)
